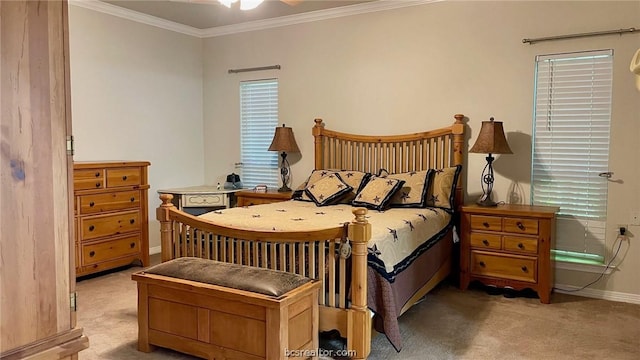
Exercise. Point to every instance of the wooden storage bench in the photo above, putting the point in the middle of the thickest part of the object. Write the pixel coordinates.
(217, 310)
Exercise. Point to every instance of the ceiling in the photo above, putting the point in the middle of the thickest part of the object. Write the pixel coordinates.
(203, 14)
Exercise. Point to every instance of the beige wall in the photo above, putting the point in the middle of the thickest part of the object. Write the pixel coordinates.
(411, 69)
(136, 94)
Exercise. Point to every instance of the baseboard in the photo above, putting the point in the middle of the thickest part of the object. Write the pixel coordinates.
(598, 294)
(155, 250)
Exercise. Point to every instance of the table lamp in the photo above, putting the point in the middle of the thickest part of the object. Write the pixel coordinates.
(284, 141)
(491, 140)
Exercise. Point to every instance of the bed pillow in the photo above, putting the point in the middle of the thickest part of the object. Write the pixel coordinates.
(413, 193)
(327, 190)
(356, 179)
(377, 193)
(299, 193)
(442, 187)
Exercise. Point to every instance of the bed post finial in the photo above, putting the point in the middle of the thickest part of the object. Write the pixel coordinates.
(459, 118)
(317, 143)
(166, 226)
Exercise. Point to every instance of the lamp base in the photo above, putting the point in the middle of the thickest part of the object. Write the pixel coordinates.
(485, 200)
(284, 188)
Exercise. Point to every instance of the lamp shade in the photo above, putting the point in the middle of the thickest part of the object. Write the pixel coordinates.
(491, 139)
(283, 140)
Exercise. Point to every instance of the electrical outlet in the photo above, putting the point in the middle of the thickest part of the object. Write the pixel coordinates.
(635, 218)
(621, 226)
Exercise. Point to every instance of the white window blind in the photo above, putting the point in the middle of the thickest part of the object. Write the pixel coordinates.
(258, 120)
(571, 145)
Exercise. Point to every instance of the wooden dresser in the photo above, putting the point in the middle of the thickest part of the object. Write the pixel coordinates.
(250, 197)
(508, 246)
(111, 214)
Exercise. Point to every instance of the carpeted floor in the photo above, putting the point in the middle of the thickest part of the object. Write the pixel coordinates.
(447, 324)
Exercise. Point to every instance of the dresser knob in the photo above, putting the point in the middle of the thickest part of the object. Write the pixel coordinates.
(133, 199)
(524, 269)
(92, 253)
(124, 177)
(132, 221)
(520, 225)
(482, 264)
(97, 174)
(485, 242)
(91, 228)
(97, 184)
(91, 204)
(132, 245)
(485, 224)
(521, 246)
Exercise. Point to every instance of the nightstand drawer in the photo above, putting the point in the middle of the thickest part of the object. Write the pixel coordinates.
(480, 222)
(200, 200)
(520, 268)
(520, 226)
(486, 241)
(520, 244)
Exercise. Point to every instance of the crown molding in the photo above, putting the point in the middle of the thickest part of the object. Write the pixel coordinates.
(363, 8)
(139, 17)
(349, 10)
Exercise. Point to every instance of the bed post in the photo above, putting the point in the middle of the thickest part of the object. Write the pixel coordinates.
(317, 135)
(359, 333)
(166, 227)
(457, 129)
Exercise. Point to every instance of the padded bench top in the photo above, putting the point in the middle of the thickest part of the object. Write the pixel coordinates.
(258, 280)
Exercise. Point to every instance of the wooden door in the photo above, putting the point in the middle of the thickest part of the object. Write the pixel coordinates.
(37, 258)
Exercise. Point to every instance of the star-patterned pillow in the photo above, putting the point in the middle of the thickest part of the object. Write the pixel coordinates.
(377, 193)
(355, 179)
(299, 193)
(414, 191)
(442, 187)
(327, 190)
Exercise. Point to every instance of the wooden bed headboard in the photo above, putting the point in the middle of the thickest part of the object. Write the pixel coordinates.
(432, 149)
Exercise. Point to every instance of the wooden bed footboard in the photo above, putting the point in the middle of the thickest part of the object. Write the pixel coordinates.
(316, 254)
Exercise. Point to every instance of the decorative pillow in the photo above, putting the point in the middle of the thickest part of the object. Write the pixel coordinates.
(442, 187)
(355, 179)
(328, 189)
(299, 193)
(414, 191)
(377, 193)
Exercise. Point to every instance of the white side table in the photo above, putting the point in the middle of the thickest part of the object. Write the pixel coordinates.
(197, 200)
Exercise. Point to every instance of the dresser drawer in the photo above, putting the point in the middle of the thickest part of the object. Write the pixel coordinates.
(202, 200)
(486, 241)
(513, 267)
(520, 244)
(92, 227)
(123, 177)
(521, 226)
(95, 203)
(491, 223)
(88, 179)
(107, 250)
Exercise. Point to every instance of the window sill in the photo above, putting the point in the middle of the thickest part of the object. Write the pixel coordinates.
(566, 264)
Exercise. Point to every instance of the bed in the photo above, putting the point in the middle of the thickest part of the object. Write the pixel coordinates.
(342, 256)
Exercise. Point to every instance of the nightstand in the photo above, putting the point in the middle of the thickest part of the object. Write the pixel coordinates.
(508, 246)
(197, 200)
(250, 197)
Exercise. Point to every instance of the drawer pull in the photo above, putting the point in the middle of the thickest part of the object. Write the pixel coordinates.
(133, 199)
(124, 177)
(520, 225)
(485, 224)
(521, 246)
(97, 184)
(132, 221)
(482, 264)
(91, 204)
(132, 245)
(485, 242)
(524, 269)
(91, 228)
(92, 253)
(97, 174)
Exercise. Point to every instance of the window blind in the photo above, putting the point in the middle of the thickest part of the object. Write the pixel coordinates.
(572, 118)
(258, 120)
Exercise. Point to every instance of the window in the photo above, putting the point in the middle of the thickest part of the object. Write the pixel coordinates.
(571, 147)
(258, 120)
